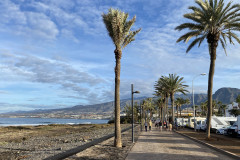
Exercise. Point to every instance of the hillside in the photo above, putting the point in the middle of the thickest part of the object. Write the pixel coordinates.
(225, 95)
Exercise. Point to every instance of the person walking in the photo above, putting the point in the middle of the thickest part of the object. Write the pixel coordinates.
(160, 125)
(146, 125)
(150, 125)
(164, 124)
(170, 127)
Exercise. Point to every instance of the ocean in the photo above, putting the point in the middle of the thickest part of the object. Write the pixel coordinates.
(46, 121)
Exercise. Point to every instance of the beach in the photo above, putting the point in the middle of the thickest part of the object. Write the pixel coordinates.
(39, 142)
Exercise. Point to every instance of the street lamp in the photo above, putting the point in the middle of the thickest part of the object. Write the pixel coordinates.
(132, 112)
(202, 74)
(141, 117)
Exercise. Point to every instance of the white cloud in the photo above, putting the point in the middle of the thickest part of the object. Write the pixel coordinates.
(47, 71)
(27, 23)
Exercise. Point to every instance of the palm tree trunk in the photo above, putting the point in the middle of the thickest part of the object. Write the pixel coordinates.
(213, 48)
(172, 101)
(177, 110)
(164, 109)
(117, 140)
(167, 108)
(159, 112)
(180, 111)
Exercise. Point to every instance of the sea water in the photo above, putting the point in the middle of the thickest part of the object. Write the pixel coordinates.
(45, 121)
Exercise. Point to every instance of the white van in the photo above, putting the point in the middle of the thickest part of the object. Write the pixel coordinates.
(220, 122)
(201, 124)
(191, 121)
(181, 122)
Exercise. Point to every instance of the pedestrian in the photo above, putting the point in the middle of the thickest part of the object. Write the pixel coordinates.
(160, 125)
(170, 127)
(146, 125)
(156, 123)
(150, 125)
(164, 124)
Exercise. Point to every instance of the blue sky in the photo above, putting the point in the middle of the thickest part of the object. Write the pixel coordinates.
(57, 53)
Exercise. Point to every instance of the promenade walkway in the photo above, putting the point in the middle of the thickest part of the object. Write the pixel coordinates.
(166, 145)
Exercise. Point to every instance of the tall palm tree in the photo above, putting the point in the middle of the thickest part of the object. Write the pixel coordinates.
(174, 84)
(118, 28)
(161, 90)
(213, 21)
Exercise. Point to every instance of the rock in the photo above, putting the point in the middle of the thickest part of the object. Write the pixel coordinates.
(59, 149)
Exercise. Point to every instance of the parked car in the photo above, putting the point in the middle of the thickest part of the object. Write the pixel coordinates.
(233, 130)
(222, 130)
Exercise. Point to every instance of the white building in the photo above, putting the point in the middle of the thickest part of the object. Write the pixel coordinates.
(234, 105)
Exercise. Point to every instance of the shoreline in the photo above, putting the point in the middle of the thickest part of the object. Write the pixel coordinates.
(47, 121)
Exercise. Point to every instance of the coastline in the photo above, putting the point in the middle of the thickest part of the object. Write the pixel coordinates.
(33, 121)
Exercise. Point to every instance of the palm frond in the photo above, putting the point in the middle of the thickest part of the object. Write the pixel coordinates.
(223, 45)
(194, 43)
(119, 29)
(191, 26)
(186, 37)
(211, 17)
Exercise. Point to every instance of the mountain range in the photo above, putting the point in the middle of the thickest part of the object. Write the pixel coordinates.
(225, 95)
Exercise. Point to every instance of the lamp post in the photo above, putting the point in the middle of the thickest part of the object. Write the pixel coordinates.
(202, 74)
(141, 117)
(132, 113)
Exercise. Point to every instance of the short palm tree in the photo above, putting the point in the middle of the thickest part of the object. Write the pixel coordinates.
(238, 100)
(204, 108)
(159, 103)
(215, 22)
(187, 102)
(149, 106)
(179, 102)
(118, 28)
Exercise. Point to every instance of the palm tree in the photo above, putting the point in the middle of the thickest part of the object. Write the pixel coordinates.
(179, 102)
(159, 104)
(222, 109)
(119, 31)
(213, 21)
(238, 100)
(149, 106)
(174, 84)
(187, 102)
(162, 90)
(204, 108)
